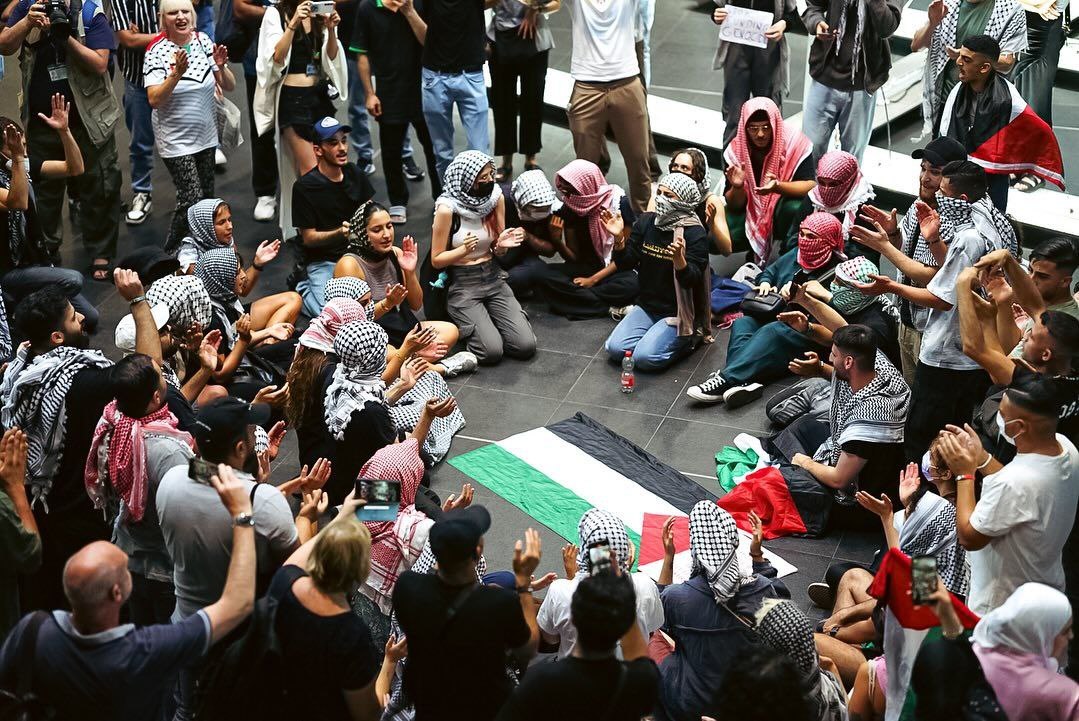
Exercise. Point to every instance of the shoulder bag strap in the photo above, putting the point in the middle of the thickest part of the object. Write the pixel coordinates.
(455, 606)
(27, 651)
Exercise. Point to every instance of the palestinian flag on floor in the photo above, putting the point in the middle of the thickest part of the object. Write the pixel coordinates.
(556, 473)
(1007, 136)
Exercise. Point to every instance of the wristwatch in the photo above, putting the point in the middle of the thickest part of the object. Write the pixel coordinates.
(244, 519)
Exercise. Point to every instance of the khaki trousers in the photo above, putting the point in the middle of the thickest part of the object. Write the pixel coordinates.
(910, 345)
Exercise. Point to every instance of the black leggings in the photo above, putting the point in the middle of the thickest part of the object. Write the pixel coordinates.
(193, 176)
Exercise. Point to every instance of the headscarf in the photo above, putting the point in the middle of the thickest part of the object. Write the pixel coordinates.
(200, 219)
(930, 530)
(680, 213)
(118, 453)
(593, 194)
(347, 286)
(217, 270)
(322, 330)
(814, 253)
(713, 547)
(357, 379)
(358, 242)
(846, 298)
(790, 147)
(849, 193)
(596, 525)
(188, 301)
(859, 31)
(457, 185)
(531, 188)
(1027, 622)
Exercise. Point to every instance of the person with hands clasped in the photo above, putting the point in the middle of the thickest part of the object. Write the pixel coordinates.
(469, 230)
(183, 71)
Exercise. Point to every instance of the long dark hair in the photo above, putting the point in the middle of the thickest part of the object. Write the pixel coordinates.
(287, 8)
(303, 387)
(699, 162)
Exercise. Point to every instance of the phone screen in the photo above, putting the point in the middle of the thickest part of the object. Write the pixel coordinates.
(382, 496)
(599, 556)
(923, 579)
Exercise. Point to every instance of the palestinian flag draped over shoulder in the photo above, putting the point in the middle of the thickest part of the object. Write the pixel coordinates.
(556, 473)
(1007, 136)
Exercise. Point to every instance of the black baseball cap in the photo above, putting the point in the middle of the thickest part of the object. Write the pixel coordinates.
(225, 419)
(941, 151)
(456, 534)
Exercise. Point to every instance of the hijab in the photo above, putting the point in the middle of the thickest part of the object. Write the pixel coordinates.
(217, 270)
(457, 186)
(1027, 622)
(531, 189)
(596, 525)
(358, 242)
(674, 213)
(846, 298)
(814, 253)
(200, 220)
(322, 330)
(357, 379)
(848, 190)
(593, 193)
(713, 547)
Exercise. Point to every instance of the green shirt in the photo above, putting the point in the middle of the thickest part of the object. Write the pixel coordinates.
(973, 17)
(20, 552)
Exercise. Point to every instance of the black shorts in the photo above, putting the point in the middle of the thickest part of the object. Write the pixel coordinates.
(301, 108)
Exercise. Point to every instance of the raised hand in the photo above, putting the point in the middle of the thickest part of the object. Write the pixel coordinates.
(243, 327)
(314, 503)
(612, 222)
(875, 237)
(736, 176)
(928, 220)
(557, 226)
(317, 476)
(395, 294)
(569, 559)
(179, 63)
(795, 319)
(276, 435)
(878, 285)
(667, 537)
(526, 557)
(809, 366)
(208, 350)
(409, 255)
(61, 109)
(418, 338)
(303, 12)
(881, 506)
(909, 481)
(267, 251)
(396, 650)
(127, 283)
(221, 56)
(271, 395)
(756, 546)
(937, 11)
(440, 407)
(231, 491)
(16, 142)
(510, 238)
(454, 501)
(13, 461)
(888, 221)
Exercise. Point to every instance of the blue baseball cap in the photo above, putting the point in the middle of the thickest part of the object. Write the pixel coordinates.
(325, 128)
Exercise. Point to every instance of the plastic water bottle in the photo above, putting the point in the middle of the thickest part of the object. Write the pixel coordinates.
(627, 373)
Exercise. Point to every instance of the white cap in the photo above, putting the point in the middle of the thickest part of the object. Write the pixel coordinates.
(125, 329)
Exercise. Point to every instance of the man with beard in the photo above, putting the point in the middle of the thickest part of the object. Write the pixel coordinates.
(55, 390)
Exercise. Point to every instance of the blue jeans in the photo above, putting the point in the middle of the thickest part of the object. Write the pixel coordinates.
(204, 19)
(851, 110)
(137, 112)
(21, 282)
(440, 92)
(655, 343)
(313, 288)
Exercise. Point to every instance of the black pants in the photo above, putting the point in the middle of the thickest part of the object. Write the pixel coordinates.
(940, 396)
(151, 601)
(263, 153)
(391, 136)
(1036, 67)
(508, 106)
(748, 73)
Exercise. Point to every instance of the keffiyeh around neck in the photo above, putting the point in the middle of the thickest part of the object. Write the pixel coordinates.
(460, 177)
(357, 379)
(593, 193)
(681, 212)
(200, 219)
(596, 525)
(994, 226)
(930, 530)
(859, 32)
(322, 330)
(713, 546)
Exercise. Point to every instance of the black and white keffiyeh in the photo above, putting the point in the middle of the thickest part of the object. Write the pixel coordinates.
(713, 547)
(955, 213)
(596, 525)
(35, 399)
(994, 226)
(217, 270)
(357, 379)
(347, 286)
(930, 530)
(187, 299)
(200, 220)
(357, 240)
(405, 414)
(859, 31)
(680, 213)
(457, 186)
(6, 348)
(16, 219)
(532, 189)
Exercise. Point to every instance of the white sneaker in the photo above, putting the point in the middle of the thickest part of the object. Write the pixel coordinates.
(458, 363)
(141, 206)
(219, 158)
(265, 208)
(618, 313)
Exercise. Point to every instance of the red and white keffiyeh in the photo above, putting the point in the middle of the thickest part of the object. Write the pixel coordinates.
(323, 329)
(593, 194)
(841, 188)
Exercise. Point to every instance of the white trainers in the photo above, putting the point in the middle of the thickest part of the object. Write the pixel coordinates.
(265, 208)
(141, 205)
(618, 313)
(398, 214)
(458, 363)
(219, 158)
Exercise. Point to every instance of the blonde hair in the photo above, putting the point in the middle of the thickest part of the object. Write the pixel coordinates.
(167, 6)
(341, 556)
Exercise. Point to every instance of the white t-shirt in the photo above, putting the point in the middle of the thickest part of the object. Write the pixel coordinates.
(554, 614)
(604, 33)
(186, 123)
(1028, 507)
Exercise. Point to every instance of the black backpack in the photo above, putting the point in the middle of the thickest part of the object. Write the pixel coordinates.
(21, 704)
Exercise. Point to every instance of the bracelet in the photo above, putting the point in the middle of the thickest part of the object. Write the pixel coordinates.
(137, 299)
(964, 477)
(987, 461)
(257, 267)
(524, 589)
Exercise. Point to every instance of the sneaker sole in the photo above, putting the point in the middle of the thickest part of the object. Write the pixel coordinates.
(741, 396)
(702, 397)
(140, 221)
(821, 595)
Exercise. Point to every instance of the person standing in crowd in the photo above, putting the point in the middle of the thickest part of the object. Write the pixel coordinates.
(1017, 529)
(360, 138)
(459, 630)
(948, 24)
(593, 682)
(79, 62)
(26, 262)
(247, 19)
(323, 202)
(749, 71)
(521, 43)
(20, 541)
(608, 91)
(1035, 71)
(387, 50)
(182, 71)
(55, 391)
(848, 63)
(469, 231)
(454, 49)
(87, 665)
(135, 25)
(769, 173)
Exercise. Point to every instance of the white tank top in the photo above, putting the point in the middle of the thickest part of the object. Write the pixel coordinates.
(478, 229)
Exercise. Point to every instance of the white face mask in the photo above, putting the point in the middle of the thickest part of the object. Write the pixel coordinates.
(1001, 425)
(534, 215)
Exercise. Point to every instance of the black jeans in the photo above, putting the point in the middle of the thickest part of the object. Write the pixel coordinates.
(151, 601)
(1036, 67)
(940, 396)
(391, 136)
(508, 106)
(263, 153)
(748, 72)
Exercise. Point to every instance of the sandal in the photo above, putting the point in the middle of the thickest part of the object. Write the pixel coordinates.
(503, 173)
(532, 166)
(101, 271)
(1028, 183)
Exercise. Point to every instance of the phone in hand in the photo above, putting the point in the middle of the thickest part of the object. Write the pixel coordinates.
(382, 499)
(200, 471)
(599, 557)
(322, 7)
(923, 579)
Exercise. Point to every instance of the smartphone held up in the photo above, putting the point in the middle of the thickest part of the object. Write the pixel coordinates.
(381, 499)
(923, 579)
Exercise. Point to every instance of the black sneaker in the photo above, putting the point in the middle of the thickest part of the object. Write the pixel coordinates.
(412, 171)
(711, 391)
(737, 396)
(821, 595)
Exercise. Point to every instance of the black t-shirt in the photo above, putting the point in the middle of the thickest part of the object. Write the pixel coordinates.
(180, 407)
(884, 461)
(91, 390)
(456, 37)
(577, 690)
(885, 328)
(646, 250)
(312, 438)
(322, 204)
(457, 670)
(32, 250)
(327, 653)
(395, 56)
(575, 228)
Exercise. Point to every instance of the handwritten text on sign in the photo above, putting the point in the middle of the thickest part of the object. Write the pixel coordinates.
(745, 26)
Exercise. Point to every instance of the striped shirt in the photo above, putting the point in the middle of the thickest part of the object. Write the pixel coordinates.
(186, 123)
(143, 13)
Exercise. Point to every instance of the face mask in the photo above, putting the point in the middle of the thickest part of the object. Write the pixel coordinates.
(483, 189)
(534, 215)
(1001, 425)
(664, 206)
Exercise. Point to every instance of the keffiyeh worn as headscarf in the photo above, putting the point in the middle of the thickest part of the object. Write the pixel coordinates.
(322, 330)
(847, 188)
(358, 241)
(593, 194)
(846, 298)
(814, 253)
(532, 189)
(680, 213)
(713, 546)
(790, 147)
(596, 525)
(35, 399)
(217, 270)
(930, 530)
(457, 186)
(118, 456)
(200, 219)
(357, 379)
(188, 301)
(348, 286)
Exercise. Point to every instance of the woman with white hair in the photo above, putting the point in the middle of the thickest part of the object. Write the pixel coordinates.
(182, 71)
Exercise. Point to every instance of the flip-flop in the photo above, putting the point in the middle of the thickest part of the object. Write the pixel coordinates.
(1028, 183)
(101, 272)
